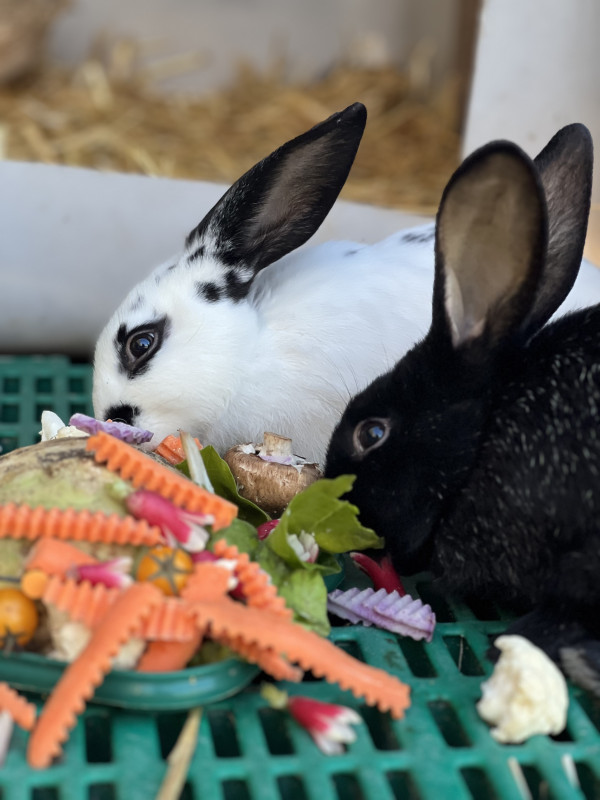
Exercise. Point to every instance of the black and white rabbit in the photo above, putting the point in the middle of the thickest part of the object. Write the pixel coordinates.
(239, 334)
(478, 455)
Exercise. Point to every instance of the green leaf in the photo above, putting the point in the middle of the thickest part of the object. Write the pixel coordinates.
(224, 485)
(306, 593)
(334, 522)
(240, 533)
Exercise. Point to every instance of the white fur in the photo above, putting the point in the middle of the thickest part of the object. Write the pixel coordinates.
(318, 326)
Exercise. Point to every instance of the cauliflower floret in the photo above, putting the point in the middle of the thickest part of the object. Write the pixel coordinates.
(70, 638)
(526, 694)
(54, 428)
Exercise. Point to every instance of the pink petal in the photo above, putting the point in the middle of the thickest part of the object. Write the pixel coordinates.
(382, 573)
(386, 610)
(120, 430)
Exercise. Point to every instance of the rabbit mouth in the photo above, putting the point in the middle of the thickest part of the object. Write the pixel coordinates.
(122, 413)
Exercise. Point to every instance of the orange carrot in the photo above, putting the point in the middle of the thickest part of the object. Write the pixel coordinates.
(171, 620)
(83, 675)
(34, 583)
(266, 658)
(324, 659)
(144, 473)
(55, 557)
(23, 522)
(255, 583)
(22, 712)
(169, 656)
(172, 450)
(208, 581)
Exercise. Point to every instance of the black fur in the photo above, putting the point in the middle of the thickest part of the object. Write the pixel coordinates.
(489, 474)
(122, 413)
(279, 203)
(132, 364)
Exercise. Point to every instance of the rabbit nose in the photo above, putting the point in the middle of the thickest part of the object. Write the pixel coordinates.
(122, 413)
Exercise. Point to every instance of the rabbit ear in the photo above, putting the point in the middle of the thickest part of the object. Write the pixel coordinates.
(565, 168)
(490, 240)
(279, 203)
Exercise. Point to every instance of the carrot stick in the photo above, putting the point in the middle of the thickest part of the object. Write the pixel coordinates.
(208, 581)
(254, 581)
(169, 656)
(23, 522)
(55, 557)
(83, 675)
(324, 659)
(266, 658)
(171, 620)
(20, 710)
(144, 473)
(172, 450)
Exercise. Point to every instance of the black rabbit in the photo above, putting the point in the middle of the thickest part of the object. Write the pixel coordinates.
(478, 455)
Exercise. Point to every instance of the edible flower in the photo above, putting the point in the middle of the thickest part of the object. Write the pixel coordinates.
(382, 573)
(387, 610)
(120, 430)
(181, 528)
(114, 573)
(328, 724)
(304, 546)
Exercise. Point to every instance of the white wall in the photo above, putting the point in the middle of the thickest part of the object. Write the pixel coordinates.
(537, 68)
(312, 34)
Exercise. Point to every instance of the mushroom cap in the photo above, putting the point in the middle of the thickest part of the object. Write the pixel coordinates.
(269, 484)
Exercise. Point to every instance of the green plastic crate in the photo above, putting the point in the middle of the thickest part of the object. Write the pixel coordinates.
(248, 751)
(32, 384)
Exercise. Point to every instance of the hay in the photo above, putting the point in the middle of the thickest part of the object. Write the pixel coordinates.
(105, 114)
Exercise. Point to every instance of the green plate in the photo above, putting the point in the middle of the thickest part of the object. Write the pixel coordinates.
(139, 691)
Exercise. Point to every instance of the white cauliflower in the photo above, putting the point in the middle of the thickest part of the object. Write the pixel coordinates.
(54, 428)
(70, 638)
(526, 694)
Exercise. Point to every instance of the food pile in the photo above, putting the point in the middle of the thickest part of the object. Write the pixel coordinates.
(148, 583)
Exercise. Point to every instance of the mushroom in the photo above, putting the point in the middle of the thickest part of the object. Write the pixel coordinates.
(269, 474)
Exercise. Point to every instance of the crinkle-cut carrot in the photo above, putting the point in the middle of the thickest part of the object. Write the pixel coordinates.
(171, 449)
(82, 601)
(169, 656)
(145, 473)
(82, 676)
(324, 659)
(55, 557)
(208, 581)
(266, 658)
(89, 604)
(24, 522)
(22, 712)
(254, 581)
(170, 621)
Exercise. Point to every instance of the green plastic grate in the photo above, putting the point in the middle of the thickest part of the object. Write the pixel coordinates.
(32, 384)
(248, 751)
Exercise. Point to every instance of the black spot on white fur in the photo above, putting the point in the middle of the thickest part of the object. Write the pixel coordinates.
(122, 413)
(420, 238)
(209, 291)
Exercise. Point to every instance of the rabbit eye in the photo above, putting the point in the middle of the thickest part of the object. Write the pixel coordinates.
(141, 344)
(370, 433)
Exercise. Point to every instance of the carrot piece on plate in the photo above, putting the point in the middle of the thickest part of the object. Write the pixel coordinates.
(172, 450)
(145, 473)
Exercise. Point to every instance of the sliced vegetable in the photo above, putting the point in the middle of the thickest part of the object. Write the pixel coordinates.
(18, 619)
(114, 573)
(171, 449)
(167, 568)
(55, 557)
(145, 473)
(82, 676)
(23, 712)
(180, 528)
(382, 573)
(231, 619)
(120, 430)
(23, 522)
(169, 656)
(387, 610)
(225, 486)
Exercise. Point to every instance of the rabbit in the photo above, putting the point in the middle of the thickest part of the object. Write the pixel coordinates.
(219, 343)
(477, 457)
(240, 334)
